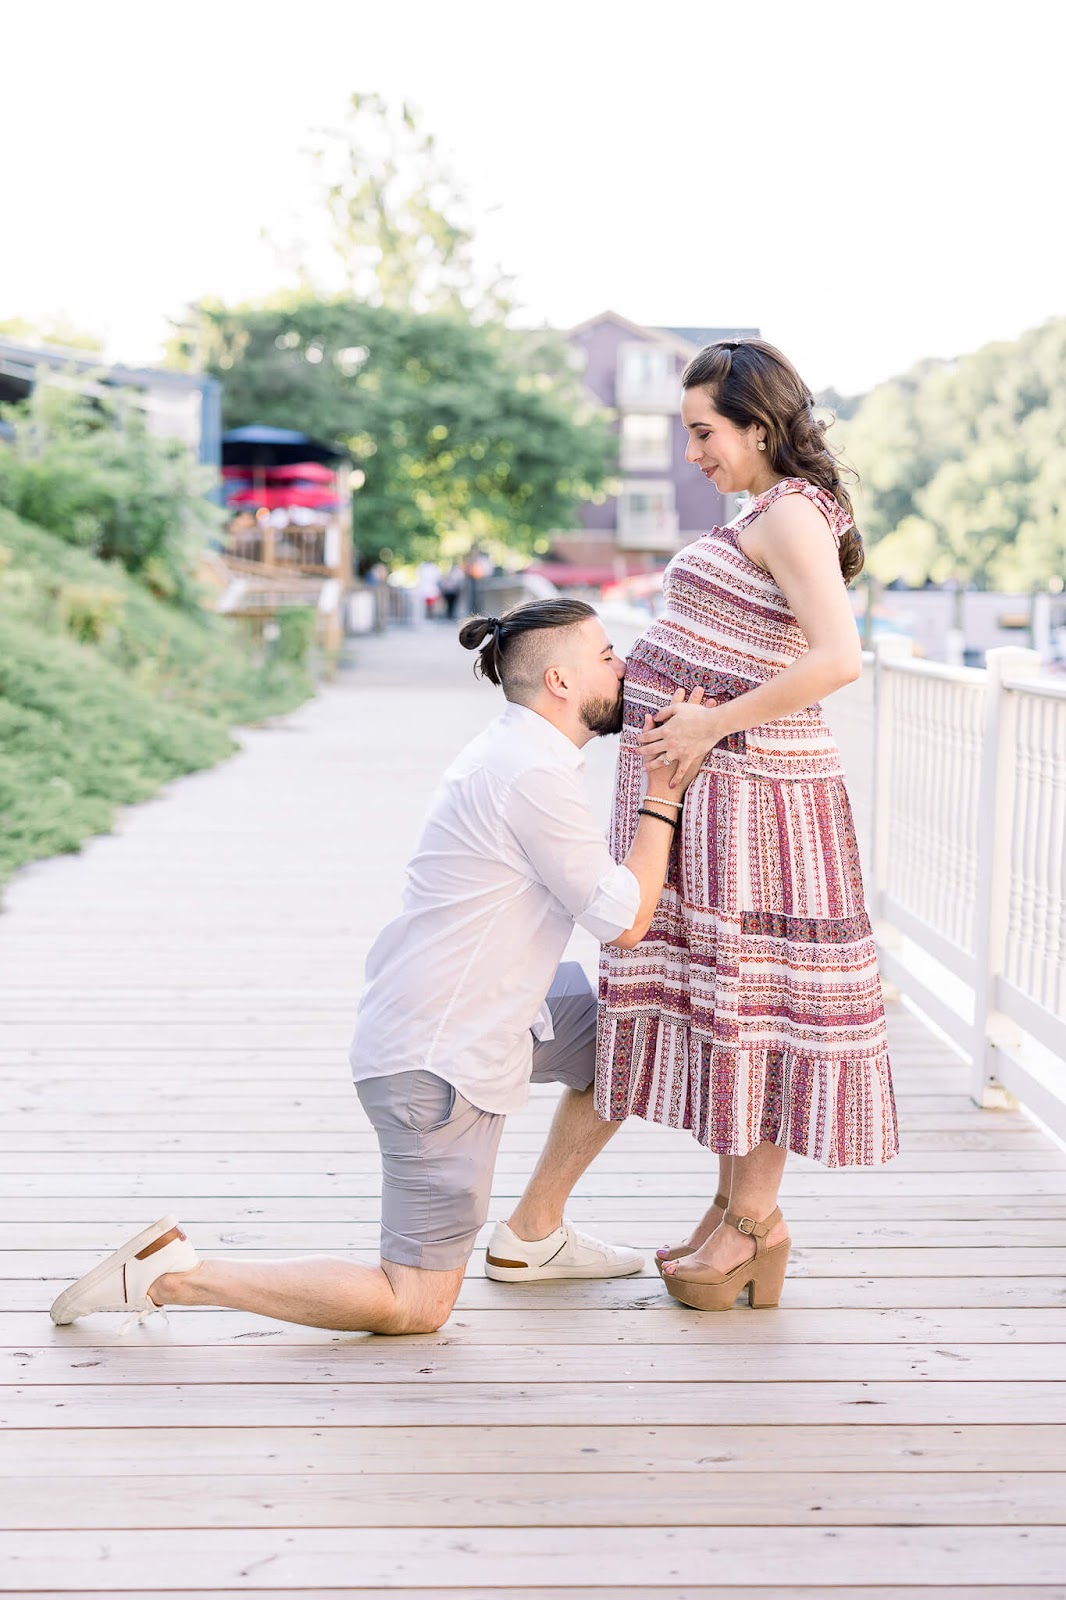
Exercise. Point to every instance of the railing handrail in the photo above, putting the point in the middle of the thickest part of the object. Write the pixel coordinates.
(1049, 688)
(946, 671)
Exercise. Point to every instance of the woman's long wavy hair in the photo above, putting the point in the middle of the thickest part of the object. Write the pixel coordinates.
(750, 381)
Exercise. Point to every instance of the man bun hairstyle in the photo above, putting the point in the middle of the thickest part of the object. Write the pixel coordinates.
(507, 644)
(750, 381)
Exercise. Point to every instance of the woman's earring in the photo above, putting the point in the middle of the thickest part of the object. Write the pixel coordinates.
(761, 445)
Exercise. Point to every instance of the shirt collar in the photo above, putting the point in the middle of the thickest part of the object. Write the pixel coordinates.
(529, 724)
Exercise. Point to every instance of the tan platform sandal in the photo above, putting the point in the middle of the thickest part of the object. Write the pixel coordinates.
(675, 1252)
(763, 1274)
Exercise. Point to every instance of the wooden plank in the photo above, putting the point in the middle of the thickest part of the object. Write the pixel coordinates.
(264, 1171)
(529, 1145)
(295, 1199)
(664, 1217)
(40, 1098)
(249, 1148)
(576, 1404)
(869, 1261)
(288, 1072)
(504, 1557)
(365, 1359)
(714, 1497)
(282, 1227)
(688, 1592)
(500, 1448)
(643, 1293)
(661, 1323)
(568, 1592)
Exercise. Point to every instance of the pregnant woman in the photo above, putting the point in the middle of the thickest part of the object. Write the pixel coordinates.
(751, 1013)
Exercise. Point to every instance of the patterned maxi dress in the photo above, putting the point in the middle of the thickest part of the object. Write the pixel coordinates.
(752, 1009)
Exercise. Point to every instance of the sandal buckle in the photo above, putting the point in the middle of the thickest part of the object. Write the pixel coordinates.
(746, 1225)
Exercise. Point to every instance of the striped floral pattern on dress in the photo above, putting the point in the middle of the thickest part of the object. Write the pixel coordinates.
(752, 1010)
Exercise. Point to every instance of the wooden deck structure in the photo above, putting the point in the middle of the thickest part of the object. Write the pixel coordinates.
(175, 1006)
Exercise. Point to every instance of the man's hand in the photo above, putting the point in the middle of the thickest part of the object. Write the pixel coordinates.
(683, 733)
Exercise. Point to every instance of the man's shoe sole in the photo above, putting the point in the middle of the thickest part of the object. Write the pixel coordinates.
(545, 1273)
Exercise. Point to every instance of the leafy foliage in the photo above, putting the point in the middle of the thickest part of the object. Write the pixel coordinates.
(106, 692)
(399, 227)
(54, 330)
(88, 470)
(963, 466)
(458, 427)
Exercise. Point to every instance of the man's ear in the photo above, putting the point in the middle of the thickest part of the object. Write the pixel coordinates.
(556, 684)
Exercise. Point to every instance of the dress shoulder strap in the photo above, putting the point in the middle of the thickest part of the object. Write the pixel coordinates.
(833, 513)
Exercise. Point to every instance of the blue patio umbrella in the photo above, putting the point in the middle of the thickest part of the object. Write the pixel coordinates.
(260, 445)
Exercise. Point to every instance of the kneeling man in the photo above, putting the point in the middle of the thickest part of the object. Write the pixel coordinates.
(464, 1005)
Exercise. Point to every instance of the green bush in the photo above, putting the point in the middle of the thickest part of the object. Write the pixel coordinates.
(296, 632)
(89, 611)
(107, 692)
(89, 471)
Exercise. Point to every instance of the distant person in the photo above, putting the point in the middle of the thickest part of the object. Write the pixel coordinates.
(452, 585)
(427, 586)
(477, 567)
(465, 1004)
(751, 1014)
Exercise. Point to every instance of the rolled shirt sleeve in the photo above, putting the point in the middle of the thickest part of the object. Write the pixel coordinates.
(551, 822)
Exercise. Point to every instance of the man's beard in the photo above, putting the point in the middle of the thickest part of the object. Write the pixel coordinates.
(603, 716)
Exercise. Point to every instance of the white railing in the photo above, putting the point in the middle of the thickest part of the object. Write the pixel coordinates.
(968, 890)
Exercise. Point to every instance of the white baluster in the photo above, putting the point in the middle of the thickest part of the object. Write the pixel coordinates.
(994, 854)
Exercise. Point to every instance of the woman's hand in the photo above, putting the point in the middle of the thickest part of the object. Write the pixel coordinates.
(682, 733)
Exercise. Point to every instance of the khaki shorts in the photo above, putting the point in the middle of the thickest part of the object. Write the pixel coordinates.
(438, 1151)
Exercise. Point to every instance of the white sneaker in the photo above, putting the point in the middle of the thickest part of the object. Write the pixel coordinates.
(121, 1283)
(566, 1253)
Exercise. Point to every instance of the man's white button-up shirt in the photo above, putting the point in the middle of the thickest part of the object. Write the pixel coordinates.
(509, 860)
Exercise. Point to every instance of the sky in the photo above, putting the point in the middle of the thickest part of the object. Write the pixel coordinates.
(868, 184)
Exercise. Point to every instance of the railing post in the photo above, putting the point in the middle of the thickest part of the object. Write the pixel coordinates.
(995, 796)
(889, 648)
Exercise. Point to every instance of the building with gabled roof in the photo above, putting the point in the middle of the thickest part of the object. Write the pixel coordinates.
(660, 503)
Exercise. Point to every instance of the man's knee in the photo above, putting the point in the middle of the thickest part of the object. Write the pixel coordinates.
(423, 1300)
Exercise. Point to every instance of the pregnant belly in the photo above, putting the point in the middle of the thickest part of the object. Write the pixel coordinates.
(654, 673)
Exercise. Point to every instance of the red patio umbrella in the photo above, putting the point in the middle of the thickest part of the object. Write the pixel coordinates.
(300, 472)
(289, 495)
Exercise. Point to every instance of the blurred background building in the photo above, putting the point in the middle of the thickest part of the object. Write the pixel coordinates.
(176, 405)
(660, 503)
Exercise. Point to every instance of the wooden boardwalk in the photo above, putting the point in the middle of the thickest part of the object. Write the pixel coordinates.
(175, 1007)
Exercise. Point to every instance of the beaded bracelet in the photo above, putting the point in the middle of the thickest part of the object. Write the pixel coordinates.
(660, 800)
(670, 823)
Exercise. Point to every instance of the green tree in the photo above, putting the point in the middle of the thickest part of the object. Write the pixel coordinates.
(963, 466)
(399, 225)
(460, 428)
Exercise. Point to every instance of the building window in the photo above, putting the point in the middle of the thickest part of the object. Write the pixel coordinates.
(647, 516)
(646, 441)
(647, 378)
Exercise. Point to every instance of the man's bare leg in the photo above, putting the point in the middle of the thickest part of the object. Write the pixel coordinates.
(319, 1292)
(575, 1138)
